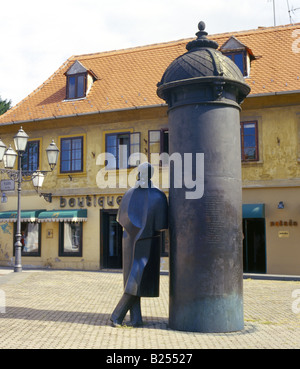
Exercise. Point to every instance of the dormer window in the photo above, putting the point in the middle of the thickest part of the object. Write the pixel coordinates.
(79, 81)
(76, 86)
(239, 58)
(239, 53)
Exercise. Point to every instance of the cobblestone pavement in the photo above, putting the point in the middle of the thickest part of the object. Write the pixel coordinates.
(45, 309)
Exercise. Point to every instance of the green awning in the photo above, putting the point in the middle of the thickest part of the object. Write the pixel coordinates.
(253, 210)
(26, 216)
(79, 215)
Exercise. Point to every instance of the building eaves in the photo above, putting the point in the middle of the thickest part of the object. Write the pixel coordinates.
(127, 78)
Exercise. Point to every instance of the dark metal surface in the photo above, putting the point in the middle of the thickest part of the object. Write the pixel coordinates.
(203, 64)
(203, 91)
(143, 213)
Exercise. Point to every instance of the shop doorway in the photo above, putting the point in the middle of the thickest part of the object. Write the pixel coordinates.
(111, 240)
(254, 246)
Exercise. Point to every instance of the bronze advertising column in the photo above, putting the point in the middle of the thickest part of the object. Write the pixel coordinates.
(203, 90)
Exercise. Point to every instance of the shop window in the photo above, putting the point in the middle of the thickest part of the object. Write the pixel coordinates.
(111, 240)
(71, 158)
(30, 158)
(158, 142)
(122, 146)
(254, 246)
(70, 239)
(31, 238)
(249, 141)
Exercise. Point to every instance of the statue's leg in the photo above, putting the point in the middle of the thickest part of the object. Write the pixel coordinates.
(135, 313)
(125, 303)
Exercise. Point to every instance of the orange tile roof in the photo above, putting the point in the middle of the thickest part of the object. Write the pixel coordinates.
(128, 78)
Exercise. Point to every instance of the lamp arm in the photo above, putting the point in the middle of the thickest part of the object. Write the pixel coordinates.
(27, 175)
(12, 173)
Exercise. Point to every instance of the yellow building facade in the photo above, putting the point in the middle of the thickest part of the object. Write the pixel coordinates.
(118, 106)
(273, 181)
(78, 191)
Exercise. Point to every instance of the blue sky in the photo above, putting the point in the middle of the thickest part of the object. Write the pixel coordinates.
(38, 36)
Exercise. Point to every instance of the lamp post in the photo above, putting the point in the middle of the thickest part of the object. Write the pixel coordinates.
(9, 157)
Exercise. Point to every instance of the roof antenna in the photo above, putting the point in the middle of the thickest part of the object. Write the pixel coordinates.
(274, 13)
(289, 11)
(292, 10)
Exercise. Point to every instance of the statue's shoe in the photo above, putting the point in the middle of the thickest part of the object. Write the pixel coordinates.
(115, 322)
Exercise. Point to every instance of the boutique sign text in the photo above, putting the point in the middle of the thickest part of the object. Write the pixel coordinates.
(90, 201)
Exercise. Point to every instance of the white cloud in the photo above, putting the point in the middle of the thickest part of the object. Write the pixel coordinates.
(38, 36)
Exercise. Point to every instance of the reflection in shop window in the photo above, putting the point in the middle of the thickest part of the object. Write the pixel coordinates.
(70, 239)
(30, 238)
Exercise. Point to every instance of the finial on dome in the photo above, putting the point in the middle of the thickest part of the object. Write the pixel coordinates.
(202, 40)
(201, 28)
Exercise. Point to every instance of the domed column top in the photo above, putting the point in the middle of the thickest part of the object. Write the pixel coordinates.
(202, 40)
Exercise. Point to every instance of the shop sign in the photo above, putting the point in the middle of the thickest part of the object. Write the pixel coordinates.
(90, 201)
(283, 234)
(284, 223)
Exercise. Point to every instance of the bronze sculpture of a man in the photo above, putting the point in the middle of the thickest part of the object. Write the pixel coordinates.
(143, 213)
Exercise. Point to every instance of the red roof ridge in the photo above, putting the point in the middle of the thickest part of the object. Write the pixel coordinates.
(180, 41)
(257, 30)
(130, 49)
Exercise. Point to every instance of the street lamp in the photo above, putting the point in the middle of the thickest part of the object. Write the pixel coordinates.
(52, 154)
(9, 157)
(38, 179)
(20, 140)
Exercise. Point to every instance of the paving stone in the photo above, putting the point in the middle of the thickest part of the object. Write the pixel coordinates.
(71, 310)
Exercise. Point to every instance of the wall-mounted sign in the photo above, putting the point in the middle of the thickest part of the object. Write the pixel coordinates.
(90, 200)
(284, 223)
(7, 185)
(49, 233)
(283, 234)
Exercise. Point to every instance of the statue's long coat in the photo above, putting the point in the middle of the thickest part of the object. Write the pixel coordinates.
(143, 213)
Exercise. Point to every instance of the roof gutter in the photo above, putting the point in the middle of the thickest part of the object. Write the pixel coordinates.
(133, 108)
(275, 93)
(83, 114)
